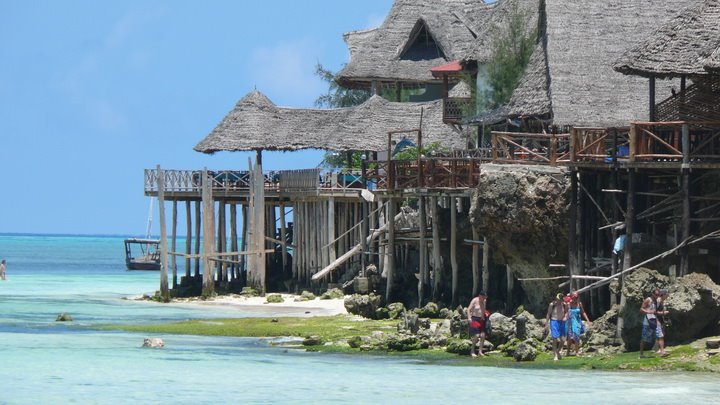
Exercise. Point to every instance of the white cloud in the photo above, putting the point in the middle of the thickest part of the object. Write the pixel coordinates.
(286, 72)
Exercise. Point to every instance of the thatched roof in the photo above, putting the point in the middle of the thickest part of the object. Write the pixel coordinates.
(570, 76)
(680, 47)
(712, 64)
(387, 53)
(257, 124)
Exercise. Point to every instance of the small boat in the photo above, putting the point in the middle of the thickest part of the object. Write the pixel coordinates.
(142, 254)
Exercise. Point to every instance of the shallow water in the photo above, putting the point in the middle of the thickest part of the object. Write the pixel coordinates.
(44, 362)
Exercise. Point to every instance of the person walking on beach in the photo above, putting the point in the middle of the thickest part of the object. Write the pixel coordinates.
(575, 327)
(476, 320)
(660, 330)
(3, 268)
(650, 321)
(555, 321)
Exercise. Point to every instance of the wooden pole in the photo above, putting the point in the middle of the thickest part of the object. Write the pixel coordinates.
(475, 261)
(208, 286)
(332, 250)
(390, 270)
(382, 220)
(629, 229)
(164, 293)
(283, 235)
(198, 222)
(572, 214)
(188, 237)
(233, 241)
(486, 265)
(436, 247)
(453, 249)
(684, 253)
(221, 242)
(424, 279)
(244, 242)
(173, 261)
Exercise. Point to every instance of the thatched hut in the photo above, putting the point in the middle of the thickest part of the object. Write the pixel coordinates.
(416, 36)
(257, 124)
(570, 79)
(688, 46)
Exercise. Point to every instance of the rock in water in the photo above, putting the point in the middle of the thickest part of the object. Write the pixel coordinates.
(153, 343)
(64, 318)
(525, 352)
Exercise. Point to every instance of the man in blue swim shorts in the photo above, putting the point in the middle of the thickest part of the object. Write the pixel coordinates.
(555, 321)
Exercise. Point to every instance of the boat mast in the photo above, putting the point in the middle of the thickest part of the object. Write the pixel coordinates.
(150, 215)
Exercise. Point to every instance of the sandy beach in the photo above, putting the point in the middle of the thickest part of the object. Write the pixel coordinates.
(289, 307)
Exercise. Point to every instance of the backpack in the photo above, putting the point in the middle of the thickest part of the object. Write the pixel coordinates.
(488, 324)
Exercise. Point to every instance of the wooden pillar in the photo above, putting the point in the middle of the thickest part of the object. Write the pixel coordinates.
(685, 252)
(453, 249)
(243, 243)
(221, 243)
(283, 235)
(572, 234)
(390, 265)
(424, 279)
(382, 218)
(475, 261)
(208, 286)
(173, 248)
(332, 250)
(437, 273)
(233, 242)
(164, 293)
(198, 222)
(629, 230)
(652, 98)
(365, 227)
(188, 237)
(486, 266)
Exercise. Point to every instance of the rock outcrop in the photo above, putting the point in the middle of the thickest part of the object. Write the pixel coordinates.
(694, 305)
(523, 211)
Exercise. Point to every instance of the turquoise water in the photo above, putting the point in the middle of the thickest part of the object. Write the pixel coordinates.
(44, 362)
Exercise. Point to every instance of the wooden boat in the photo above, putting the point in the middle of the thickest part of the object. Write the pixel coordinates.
(142, 254)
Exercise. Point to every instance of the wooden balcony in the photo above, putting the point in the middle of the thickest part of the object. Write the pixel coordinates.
(457, 108)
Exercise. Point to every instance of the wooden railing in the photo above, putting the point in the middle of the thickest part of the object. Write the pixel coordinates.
(527, 148)
(455, 108)
(675, 141)
(599, 144)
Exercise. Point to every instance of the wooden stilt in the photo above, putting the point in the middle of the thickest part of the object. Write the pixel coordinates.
(572, 214)
(244, 243)
(684, 253)
(475, 261)
(233, 274)
(390, 265)
(629, 229)
(173, 261)
(208, 287)
(221, 242)
(453, 249)
(188, 237)
(486, 266)
(381, 247)
(164, 293)
(332, 251)
(198, 222)
(437, 271)
(424, 279)
(283, 236)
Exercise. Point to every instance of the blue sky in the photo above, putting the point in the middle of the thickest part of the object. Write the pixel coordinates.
(93, 92)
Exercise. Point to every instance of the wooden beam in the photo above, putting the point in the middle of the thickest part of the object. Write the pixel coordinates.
(164, 293)
(453, 250)
(208, 285)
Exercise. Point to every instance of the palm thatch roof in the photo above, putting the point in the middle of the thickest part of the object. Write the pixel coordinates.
(257, 124)
(570, 77)
(682, 46)
(712, 64)
(447, 27)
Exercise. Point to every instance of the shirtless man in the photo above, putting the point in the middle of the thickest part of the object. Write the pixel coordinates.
(555, 321)
(2, 270)
(476, 320)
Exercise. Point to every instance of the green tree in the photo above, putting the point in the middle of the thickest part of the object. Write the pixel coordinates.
(512, 47)
(337, 96)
